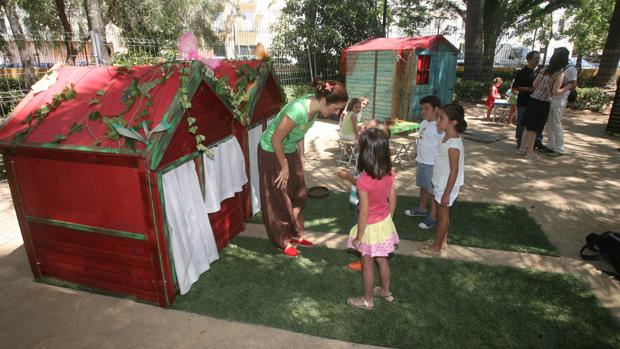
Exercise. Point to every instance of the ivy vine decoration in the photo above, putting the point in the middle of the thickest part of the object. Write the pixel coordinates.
(35, 118)
(117, 125)
(133, 134)
(200, 138)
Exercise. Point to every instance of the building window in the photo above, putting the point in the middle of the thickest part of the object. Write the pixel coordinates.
(424, 65)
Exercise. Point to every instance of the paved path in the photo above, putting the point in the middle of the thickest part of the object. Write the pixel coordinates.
(568, 196)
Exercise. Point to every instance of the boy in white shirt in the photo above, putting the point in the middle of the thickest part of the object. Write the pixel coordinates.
(428, 143)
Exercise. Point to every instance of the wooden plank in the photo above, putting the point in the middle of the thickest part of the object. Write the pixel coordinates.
(75, 276)
(105, 243)
(124, 160)
(153, 233)
(93, 253)
(103, 196)
(122, 274)
(87, 228)
(9, 161)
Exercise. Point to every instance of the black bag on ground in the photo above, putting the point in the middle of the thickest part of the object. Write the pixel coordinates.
(605, 246)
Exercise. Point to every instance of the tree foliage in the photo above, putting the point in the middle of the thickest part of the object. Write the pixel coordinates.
(413, 15)
(322, 28)
(588, 24)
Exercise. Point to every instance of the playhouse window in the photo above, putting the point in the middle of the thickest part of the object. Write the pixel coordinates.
(424, 65)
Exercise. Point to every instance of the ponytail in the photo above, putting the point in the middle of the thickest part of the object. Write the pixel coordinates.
(333, 91)
(455, 112)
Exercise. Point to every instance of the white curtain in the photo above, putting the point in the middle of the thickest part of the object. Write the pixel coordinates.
(191, 236)
(224, 174)
(254, 135)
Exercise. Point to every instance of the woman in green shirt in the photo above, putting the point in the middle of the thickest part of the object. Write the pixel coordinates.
(280, 163)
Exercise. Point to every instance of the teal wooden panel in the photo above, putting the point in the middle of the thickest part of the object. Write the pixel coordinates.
(441, 80)
(360, 76)
(386, 66)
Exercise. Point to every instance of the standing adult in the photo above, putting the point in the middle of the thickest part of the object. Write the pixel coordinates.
(547, 84)
(555, 133)
(280, 163)
(522, 85)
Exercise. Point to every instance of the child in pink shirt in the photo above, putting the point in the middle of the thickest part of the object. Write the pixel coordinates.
(374, 236)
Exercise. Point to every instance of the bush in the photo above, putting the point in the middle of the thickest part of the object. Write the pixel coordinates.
(592, 98)
(475, 91)
(504, 73)
(295, 91)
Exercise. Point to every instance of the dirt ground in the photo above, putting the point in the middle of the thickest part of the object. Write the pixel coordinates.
(569, 196)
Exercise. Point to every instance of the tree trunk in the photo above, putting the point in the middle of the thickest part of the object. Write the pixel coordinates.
(607, 71)
(474, 47)
(22, 46)
(93, 11)
(68, 35)
(544, 60)
(579, 62)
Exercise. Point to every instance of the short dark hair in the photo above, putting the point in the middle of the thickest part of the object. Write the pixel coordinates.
(432, 100)
(455, 112)
(531, 54)
(374, 156)
(352, 103)
(333, 91)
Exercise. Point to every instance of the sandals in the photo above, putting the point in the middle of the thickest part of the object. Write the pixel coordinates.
(426, 250)
(386, 295)
(361, 303)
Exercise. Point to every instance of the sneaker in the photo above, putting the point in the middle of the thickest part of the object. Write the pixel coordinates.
(428, 223)
(532, 156)
(302, 242)
(357, 265)
(414, 212)
(291, 252)
(521, 151)
(539, 147)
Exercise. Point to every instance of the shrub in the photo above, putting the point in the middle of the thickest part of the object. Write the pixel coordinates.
(475, 91)
(295, 91)
(592, 98)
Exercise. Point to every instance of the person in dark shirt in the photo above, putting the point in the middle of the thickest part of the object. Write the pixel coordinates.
(522, 85)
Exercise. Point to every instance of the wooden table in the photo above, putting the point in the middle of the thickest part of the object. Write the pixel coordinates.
(404, 126)
(405, 145)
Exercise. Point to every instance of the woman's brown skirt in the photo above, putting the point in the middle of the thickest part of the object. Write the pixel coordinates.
(281, 209)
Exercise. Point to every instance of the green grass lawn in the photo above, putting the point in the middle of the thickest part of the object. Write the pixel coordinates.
(475, 224)
(439, 303)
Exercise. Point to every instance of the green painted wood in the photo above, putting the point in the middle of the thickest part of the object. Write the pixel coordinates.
(180, 161)
(147, 173)
(173, 116)
(160, 186)
(87, 228)
(75, 148)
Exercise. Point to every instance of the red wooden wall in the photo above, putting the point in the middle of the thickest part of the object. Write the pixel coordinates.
(88, 219)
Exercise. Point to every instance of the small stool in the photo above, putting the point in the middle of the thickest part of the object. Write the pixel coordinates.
(347, 153)
(405, 149)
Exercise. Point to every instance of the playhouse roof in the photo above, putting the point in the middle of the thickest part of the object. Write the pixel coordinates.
(99, 93)
(394, 44)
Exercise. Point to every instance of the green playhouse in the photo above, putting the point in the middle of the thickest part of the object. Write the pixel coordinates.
(395, 73)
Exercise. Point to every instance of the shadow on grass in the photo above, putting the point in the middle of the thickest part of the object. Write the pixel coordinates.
(474, 224)
(439, 303)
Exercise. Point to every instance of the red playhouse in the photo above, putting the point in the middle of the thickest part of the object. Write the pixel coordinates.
(117, 176)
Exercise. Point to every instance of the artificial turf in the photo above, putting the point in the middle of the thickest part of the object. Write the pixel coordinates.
(474, 224)
(439, 303)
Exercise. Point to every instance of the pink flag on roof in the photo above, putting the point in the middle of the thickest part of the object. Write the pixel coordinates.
(188, 49)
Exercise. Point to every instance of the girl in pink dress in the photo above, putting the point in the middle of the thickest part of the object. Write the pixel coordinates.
(493, 95)
(374, 236)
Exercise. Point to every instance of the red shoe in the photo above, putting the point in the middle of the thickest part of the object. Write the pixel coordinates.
(302, 242)
(291, 252)
(357, 265)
